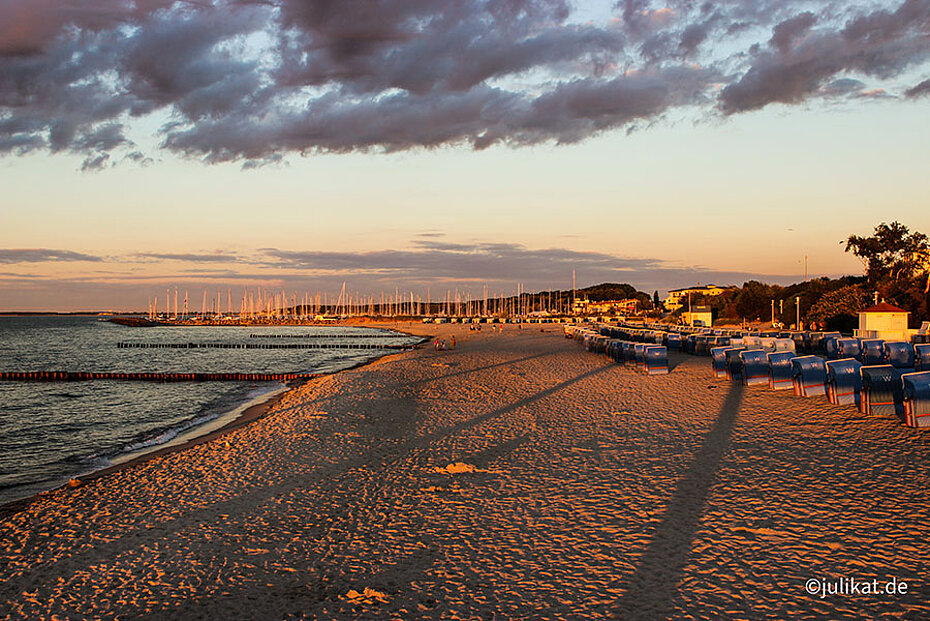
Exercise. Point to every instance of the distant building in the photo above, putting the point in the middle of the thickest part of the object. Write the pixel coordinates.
(883, 321)
(679, 297)
(607, 307)
(614, 307)
(699, 316)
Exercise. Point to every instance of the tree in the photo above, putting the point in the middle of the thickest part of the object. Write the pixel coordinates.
(838, 309)
(754, 301)
(897, 263)
(656, 303)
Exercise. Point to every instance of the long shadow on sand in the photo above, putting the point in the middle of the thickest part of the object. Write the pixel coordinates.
(649, 593)
(329, 477)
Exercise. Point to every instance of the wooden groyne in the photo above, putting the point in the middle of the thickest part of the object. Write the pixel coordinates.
(259, 346)
(327, 336)
(80, 376)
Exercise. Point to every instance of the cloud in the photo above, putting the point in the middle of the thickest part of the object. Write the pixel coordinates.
(920, 90)
(39, 255)
(254, 81)
(190, 257)
(427, 264)
(879, 44)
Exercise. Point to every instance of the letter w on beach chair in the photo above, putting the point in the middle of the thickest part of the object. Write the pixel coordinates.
(844, 381)
(780, 369)
(881, 390)
(755, 367)
(656, 360)
(916, 388)
(922, 357)
(809, 376)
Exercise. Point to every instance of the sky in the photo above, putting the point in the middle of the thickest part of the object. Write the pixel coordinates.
(434, 145)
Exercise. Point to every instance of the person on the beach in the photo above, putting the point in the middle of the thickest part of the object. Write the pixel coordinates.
(452, 345)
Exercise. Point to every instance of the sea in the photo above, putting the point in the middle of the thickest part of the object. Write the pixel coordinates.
(51, 432)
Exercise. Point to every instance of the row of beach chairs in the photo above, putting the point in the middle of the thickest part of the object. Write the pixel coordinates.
(881, 388)
(650, 358)
(881, 377)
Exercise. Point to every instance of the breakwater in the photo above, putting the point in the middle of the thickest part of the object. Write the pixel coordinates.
(349, 345)
(81, 376)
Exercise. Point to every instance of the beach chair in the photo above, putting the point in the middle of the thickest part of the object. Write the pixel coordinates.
(881, 390)
(873, 352)
(734, 364)
(780, 369)
(629, 352)
(673, 341)
(655, 360)
(767, 343)
(916, 389)
(785, 344)
(799, 344)
(639, 350)
(848, 348)
(751, 342)
(613, 347)
(899, 354)
(922, 357)
(809, 376)
(718, 360)
(844, 381)
(755, 367)
(831, 347)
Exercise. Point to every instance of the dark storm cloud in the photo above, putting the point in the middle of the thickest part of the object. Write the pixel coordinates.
(255, 80)
(39, 255)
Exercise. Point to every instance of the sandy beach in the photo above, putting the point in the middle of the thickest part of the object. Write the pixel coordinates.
(515, 477)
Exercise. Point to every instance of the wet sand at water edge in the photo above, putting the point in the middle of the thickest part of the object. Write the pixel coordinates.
(516, 477)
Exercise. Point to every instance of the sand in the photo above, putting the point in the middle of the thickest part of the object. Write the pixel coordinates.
(516, 477)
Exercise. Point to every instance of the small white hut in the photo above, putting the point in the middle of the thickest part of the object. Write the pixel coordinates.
(883, 321)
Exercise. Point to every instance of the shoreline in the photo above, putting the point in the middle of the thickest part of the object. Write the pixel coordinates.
(190, 437)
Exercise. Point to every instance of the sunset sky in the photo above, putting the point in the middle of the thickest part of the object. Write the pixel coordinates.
(449, 144)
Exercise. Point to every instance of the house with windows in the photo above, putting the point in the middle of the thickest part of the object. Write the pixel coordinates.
(679, 297)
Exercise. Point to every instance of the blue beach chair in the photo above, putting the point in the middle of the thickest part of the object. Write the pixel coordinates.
(881, 390)
(848, 348)
(873, 352)
(916, 387)
(656, 360)
(755, 367)
(673, 341)
(780, 369)
(899, 354)
(734, 364)
(922, 357)
(844, 381)
(809, 376)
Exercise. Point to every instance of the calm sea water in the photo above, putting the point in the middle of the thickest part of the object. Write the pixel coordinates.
(50, 432)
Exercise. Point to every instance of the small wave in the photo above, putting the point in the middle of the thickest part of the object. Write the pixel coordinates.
(66, 395)
(169, 434)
